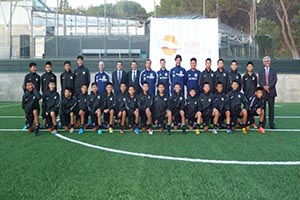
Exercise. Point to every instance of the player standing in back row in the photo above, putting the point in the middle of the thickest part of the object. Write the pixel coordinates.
(177, 75)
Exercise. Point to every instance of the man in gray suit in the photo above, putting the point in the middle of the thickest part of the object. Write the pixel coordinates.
(268, 80)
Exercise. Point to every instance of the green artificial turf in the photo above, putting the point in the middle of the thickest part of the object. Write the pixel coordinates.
(47, 167)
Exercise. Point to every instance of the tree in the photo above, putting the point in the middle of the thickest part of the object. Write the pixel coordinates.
(282, 10)
(64, 7)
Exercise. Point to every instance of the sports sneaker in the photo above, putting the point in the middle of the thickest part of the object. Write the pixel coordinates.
(36, 132)
(71, 130)
(244, 131)
(122, 131)
(261, 130)
(197, 131)
(54, 132)
(99, 131)
(25, 128)
(229, 131)
(137, 130)
(168, 132)
(81, 131)
(110, 130)
(214, 131)
(254, 125)
(150, 131)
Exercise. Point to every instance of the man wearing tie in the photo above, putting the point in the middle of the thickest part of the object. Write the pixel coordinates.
(268, 80)
(118, 77)
(133, 77)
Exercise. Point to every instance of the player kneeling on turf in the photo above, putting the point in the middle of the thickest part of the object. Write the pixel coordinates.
(207, 109)
(256, 108)
(68, 108)
(191, 111)
(83, 102)
(131, 105)
(161, 109)
(30, 104)
(52, 103)
(109, 107)
(121, 109)
(145, 105)
(222, 105)
(236, 99)
(95, 106)
(177, 104)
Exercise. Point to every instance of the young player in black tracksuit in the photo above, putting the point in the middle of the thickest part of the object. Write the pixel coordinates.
(256, 108)
(33, 77)
(109, 107)
(161, 110)
(51, 100)
(81, 76)
(191, 111)
(221, 75)
(68, 109)
(207, 76)
(145, 107)
(222, 105)
(67, 78)
(249, 81)
(207, 108)
(132, 109)
(83, 103)
(96, 106)
(121, 109)
(30, 104)
(236, 100)
(234, 75)
(47, 77)
(177, 104)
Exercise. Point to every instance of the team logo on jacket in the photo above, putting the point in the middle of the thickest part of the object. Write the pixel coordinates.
(98, 97)
(151, 76)
(36, 79)
(222, 99)
(71, 77)
(196, 75)
(83, 72)
(237, 77)
(165, 99)
(181, 74)
(166, 74)
(212, 75)
(224, 74)
(253, 78)
(110, 98)
(209, 100)
(239, 96)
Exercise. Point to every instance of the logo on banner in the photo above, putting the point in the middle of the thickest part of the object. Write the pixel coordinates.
(169, 45)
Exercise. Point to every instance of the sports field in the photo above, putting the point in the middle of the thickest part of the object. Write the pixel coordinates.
(204, 166)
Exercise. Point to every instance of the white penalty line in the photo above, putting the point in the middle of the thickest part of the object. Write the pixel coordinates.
(193, 160)
(117, 130)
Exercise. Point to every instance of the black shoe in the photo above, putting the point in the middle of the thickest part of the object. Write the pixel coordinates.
(272, 126)
(168, 132)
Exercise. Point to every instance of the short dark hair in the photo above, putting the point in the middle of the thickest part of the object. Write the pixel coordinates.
(177, 84)
(208, 59)
(161, 83)
(48, 63)
(162, 60)
(32, 64)
(206, 83)
(52, 81)
(148, 59)
(146, 83)
(131, 86)
(193, 89)
(69, 89)
(235, 81)
(80, 57)
(67, 62)
(119, 61)
(219, 83)
(94, 83)
(178, 56)
(220, 60)
(28, 81)
(123, 83)
(109, 83)
(84, 85)
(250, 63)
(193, 59)
(259, 89)
(234, 61)
(133, 61)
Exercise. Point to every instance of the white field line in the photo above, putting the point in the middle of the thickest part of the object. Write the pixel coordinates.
(194, 160)
(156, 131)
(10, 105)
(276, 117)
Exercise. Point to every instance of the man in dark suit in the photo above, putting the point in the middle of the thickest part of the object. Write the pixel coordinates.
(119, 76)
(133, 77)
(268, 80)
